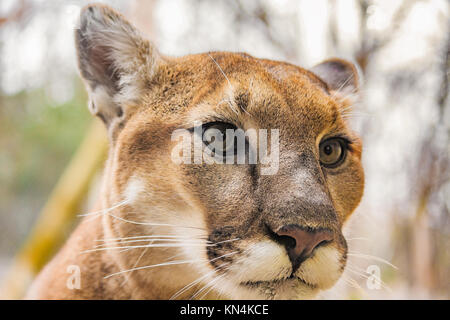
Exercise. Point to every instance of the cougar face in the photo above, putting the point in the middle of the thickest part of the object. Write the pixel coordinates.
(237, 231)
(278, 236)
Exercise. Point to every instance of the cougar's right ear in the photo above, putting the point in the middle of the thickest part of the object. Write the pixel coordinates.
(115, 61)
(341, 76)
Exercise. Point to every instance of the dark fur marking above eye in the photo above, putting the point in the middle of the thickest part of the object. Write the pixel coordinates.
(242, 100)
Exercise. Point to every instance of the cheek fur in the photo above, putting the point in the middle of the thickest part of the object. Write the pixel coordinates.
(323, 268)
(262, 261)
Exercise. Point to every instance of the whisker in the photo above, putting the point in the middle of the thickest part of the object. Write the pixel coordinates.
(207, 286)
(175, 262)
(153, 224)
(186, 240)
(225, 241)
(171, 245)
(362, 274)
(354, 114)
(351, 282)
(357, 238)
(228, 101)
(354, 284)
(127, 276)
(221, 70)
(179, 240)
(338, 91)
(141, 237)
(370, 257)
(211, 288)
(170, 263)
(190, 285)
(225, 255)
(103, 211)
(175, 255)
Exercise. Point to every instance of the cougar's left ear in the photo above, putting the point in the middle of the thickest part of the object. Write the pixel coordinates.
(116, 62)
(340, 75)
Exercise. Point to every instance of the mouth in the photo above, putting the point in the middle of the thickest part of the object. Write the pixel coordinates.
(273, 284)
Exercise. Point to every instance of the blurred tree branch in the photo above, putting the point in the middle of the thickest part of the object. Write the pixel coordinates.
(442, 99)
(58, 214)
(369, 44)
(261, 17)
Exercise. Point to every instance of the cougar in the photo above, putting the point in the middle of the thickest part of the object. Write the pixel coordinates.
(207, 227)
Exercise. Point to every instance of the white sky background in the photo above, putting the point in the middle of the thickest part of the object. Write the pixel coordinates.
(182, 28)
(42, 54)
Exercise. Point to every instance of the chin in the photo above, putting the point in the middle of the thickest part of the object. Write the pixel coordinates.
(286, 289)
(265, 273)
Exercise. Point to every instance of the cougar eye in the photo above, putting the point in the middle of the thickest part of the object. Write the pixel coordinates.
(332, 152)
(215, 137)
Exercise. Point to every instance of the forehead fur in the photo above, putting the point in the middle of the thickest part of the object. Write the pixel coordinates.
(234, 85)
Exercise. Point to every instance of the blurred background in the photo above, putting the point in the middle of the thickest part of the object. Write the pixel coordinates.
(401, 230)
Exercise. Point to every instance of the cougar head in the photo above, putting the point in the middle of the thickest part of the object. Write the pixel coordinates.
(259, 218)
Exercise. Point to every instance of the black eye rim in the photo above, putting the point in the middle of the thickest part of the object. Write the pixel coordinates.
(345, 146)
(226, 125)
(207, 125)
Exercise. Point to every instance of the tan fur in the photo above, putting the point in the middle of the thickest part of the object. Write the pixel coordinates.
(143, 97)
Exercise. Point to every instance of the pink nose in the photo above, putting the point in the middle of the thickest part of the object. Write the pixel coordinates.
(301, 243)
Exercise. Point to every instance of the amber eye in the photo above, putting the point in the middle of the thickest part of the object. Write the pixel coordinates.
(332, 152)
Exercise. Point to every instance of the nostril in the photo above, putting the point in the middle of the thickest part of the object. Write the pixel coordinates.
(323, 237)
(301, 242)
(322, 243)
(286, 241)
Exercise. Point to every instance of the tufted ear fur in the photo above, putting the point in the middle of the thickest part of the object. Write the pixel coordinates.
(115, 61)
(340, 75)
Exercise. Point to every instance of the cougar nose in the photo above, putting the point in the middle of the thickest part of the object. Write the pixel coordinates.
(300, 242)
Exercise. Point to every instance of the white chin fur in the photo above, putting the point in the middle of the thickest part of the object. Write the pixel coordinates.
(323, 268)
(268, 261)
(262, 261)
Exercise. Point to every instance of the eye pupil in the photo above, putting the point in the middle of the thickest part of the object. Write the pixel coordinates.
(328, 150)
(332, 152)
(216, 138)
